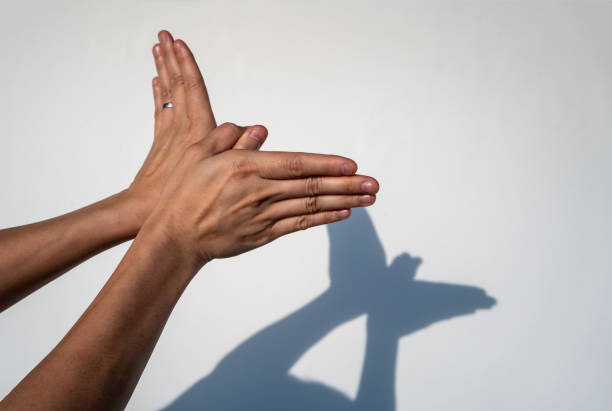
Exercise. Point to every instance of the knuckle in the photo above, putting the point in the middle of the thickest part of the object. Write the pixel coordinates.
(254, 201)
(302, 222)
(312, 205)
(268, 233)
(177, 79)
(228, 127)
(295, 166)
(194, 84)
(313, 185)
(240, 165)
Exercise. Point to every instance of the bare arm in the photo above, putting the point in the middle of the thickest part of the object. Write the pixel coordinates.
(252, 198)
(34, 254)
(97, 364)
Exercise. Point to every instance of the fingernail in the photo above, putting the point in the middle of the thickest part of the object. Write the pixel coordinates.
(157, 50)
(343, 213)
(347, 169)
(368, 187)
(258, 134)
(366, 199)
(164, 37)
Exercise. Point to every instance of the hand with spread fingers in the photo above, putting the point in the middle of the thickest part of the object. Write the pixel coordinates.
(204, 192)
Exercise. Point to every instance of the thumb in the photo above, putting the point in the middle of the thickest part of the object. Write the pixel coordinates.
(252, 138)
(222, 138)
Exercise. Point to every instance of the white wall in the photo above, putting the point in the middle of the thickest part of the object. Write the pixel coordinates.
(487, 123)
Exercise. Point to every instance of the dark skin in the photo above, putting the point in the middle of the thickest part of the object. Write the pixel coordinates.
(203, 193)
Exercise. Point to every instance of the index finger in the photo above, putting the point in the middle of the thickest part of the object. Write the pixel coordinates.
(279, 165)
(197, 94)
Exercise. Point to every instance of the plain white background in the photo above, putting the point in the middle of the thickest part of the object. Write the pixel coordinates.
(487, 123)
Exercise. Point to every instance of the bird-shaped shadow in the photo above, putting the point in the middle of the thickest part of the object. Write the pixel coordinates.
(255, 375)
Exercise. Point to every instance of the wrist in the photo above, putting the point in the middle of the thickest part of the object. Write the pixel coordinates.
(133, 210)
(160, 229)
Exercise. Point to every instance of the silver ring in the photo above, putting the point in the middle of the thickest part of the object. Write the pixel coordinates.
(167, 105)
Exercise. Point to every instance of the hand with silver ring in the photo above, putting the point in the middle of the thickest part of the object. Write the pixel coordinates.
(202, 198)
(178, 85)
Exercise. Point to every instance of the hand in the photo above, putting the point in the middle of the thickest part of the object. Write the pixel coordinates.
(221, 206)
(180, 82)
(400, 304)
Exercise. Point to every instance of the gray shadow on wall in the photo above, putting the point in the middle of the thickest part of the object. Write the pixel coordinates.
(255, 376)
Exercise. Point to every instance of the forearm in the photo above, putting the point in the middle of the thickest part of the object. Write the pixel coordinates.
(377, 385)
(291, 336)
(97, 364)
(34, 254)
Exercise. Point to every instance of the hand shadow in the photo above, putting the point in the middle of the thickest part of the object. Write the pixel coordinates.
(255, 375)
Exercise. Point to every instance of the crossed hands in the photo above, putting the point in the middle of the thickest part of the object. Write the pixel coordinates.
(203, 192)
(216, 196)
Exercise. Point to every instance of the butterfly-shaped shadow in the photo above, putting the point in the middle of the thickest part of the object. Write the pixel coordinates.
(255, 376)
